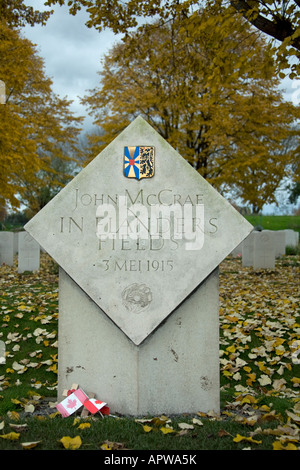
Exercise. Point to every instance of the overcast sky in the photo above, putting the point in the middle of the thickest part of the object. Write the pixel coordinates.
(71, 52)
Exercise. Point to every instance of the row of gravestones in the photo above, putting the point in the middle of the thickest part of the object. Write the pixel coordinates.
(21, 243)
(261, 248)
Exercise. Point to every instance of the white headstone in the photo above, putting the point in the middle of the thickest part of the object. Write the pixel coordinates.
(264, 250)
(28, 253)
(7, 248)
(248, 250)
(291, 238)
(142, 234)
(16, 243)
(279, 241)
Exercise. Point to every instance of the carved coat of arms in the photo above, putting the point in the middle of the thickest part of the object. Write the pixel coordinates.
(139, 162)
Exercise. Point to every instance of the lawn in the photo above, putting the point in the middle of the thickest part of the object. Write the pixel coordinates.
(275, 222)
(259, 370)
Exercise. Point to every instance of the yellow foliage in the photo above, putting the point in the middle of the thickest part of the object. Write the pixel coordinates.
(209, 87)
(240, 438)
(277, 445)
(34, 124)
(71, 443)
(12, 436)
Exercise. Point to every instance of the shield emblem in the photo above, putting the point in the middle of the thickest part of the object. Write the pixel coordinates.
(139, 162)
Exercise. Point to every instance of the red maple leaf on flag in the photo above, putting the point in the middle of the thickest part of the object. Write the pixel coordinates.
(72, 403)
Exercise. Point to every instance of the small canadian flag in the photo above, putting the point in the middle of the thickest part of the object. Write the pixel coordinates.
(77, 398)
(72, 403)
(94, 405)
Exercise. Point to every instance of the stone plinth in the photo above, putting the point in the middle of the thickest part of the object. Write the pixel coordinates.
(139, 235)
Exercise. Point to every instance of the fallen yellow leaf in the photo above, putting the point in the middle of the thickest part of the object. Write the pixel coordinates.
(295, 380)
(84, 425)
(165, 430)
(248, 399)
(12, 436)
(240, 438)
(110, 445)
(160, 420)
(71, 443)
(105, 446)
(30, 445)
(15, 401)
(277, 445)
(14, 415)
(147, 428)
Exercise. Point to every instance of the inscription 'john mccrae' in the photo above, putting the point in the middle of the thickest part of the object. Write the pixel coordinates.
(165, 197)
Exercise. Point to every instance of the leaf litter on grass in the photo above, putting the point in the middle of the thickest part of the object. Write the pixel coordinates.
(259, 343)
(259, 346)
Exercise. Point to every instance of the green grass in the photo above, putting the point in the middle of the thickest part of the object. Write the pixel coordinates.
(259, 322)
(275, 222)
(212, 435)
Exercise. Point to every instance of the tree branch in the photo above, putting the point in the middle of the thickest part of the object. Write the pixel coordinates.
(280, 28)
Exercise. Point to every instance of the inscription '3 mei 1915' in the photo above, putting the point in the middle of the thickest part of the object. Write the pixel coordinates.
(139, 265)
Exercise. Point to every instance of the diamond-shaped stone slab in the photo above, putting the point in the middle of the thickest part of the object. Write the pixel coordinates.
(185, 230)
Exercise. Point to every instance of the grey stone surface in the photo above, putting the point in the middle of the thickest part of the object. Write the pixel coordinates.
(97, 229)
(248, 250)
(264, 250)
(138, 291)
(7, 248)
(175, 370)
(291, 238)
(279, 241)
(28, 253)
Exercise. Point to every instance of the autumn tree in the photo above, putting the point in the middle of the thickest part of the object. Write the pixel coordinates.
(211, 92)
(278, 19)
(16, 13)
(37, 128)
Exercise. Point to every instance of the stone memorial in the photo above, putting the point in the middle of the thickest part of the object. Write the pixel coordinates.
(139, 235)
(291, 238)
(264, 250)
(28, 253)
(247, 250)
(16, 242)
(7, 248)
(279, 241)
